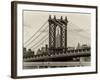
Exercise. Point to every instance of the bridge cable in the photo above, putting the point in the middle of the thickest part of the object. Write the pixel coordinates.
(39, 41)
(35, 38)
(35, 33)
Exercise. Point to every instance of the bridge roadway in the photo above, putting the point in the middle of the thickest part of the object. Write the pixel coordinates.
(59, 56)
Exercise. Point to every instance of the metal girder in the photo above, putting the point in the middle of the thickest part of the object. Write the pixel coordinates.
(53, 23)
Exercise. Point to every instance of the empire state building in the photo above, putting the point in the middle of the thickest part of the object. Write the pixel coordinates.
(58, 37)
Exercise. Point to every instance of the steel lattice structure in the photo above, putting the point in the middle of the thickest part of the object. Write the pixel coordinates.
(53, 24)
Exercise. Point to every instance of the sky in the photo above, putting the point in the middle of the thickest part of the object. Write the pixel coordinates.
(79, 27)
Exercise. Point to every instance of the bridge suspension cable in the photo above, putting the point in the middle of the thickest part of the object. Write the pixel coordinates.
(57, 23)
(39, 41)
(34, 39)
(35, 33)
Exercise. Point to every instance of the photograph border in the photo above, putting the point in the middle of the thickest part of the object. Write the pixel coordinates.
(14, 37)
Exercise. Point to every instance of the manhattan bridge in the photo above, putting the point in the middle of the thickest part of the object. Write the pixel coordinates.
(53, 44)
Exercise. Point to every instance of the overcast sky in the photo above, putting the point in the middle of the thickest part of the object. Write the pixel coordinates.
(79, 26)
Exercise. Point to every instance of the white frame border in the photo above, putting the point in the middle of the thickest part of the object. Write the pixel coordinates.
(21, 72)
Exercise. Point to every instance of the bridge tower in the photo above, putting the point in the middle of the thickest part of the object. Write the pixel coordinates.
(61, 25)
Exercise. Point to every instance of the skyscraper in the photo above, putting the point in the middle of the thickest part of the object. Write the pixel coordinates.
(58, 39)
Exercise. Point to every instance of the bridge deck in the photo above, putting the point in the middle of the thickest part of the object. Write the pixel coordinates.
(59, 55)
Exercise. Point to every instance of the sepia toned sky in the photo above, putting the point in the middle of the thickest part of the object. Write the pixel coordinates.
(79, 26)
